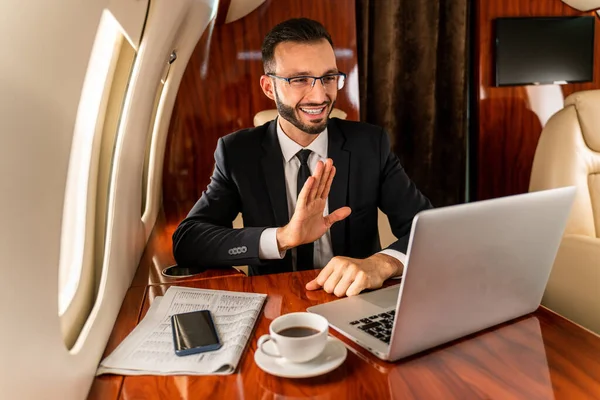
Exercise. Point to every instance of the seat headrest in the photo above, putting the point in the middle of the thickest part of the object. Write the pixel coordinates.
(583, 5)
(240, 8)
(268, 115)
(587, 106)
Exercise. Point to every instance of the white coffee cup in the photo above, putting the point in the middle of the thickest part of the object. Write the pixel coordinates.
(296, 348)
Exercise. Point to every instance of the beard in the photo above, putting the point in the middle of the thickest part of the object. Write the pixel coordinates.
(289, 114)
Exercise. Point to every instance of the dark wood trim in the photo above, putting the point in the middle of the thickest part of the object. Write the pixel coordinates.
(222, 11)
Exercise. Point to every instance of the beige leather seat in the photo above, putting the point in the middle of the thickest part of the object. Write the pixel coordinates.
(584, 5)
(568, 153)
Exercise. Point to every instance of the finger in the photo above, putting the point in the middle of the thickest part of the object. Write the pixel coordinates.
(320, 279)
(313, 285)
(303, 196)
(359, 284)
(333, 280)
(325, 177)
(325, 193)
(343, 285)
(317, 176)
(337, 215)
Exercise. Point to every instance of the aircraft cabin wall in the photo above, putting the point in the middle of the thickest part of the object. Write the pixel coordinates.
(87, 93)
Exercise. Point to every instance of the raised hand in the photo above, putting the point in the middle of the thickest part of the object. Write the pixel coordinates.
(308, 223)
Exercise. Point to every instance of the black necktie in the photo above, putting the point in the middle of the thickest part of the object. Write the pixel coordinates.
(304, 253)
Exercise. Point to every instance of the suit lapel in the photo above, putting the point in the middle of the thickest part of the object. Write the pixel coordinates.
(272, 164)
(339, 187)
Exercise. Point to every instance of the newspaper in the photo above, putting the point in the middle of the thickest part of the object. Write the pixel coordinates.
(148, 349)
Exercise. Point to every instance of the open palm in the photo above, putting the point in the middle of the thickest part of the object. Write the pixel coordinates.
(308, 223)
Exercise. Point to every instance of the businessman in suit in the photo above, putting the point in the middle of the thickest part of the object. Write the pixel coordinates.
(286, 176)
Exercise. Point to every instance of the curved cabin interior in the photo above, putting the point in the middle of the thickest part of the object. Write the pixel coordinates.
(110, 114)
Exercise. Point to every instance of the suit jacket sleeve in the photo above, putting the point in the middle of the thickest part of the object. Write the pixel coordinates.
(400, 199)
(205, 238)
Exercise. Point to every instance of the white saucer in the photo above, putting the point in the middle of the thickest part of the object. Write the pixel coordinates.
(331, 358)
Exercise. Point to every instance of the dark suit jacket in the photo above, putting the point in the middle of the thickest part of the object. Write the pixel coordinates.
(249, 178)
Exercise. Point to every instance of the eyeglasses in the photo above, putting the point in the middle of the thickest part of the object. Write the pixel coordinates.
(329, 81)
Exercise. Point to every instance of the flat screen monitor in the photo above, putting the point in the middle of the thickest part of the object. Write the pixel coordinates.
(544, 50)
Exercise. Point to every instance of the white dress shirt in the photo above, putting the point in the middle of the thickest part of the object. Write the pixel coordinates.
(323, 251)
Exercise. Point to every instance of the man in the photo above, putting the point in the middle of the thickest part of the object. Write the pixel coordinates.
(265, 173)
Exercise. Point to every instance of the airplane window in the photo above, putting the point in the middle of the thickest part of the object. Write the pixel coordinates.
(86, 193)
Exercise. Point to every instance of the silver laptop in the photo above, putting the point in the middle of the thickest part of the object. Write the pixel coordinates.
(469, 267)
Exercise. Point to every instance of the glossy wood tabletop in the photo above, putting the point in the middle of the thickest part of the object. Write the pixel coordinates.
(109, 386)
(158, 255)
(539, 356)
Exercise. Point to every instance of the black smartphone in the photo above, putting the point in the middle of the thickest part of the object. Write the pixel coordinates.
(194, 332)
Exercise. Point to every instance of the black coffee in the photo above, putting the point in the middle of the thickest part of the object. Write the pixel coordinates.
(298, 331)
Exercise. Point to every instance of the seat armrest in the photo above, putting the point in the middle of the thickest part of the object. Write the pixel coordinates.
(573, 289)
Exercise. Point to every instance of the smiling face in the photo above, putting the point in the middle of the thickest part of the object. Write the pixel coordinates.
(305, 109)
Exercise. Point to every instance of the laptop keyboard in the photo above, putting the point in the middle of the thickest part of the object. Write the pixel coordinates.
(378, 325)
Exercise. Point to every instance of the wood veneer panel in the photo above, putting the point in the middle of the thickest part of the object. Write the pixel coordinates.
(540, 355)
(509, 120)
(220, 91)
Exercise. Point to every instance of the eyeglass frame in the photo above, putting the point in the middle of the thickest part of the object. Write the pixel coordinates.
(314, 78)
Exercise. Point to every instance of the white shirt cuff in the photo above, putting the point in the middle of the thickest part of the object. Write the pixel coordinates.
(398, 256)
(267, 246)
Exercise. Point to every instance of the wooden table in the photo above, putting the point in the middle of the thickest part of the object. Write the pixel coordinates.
(158, 255)
(109, 386)
(539, 356)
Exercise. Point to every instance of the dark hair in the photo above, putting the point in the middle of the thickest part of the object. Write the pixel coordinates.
(292, 30)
